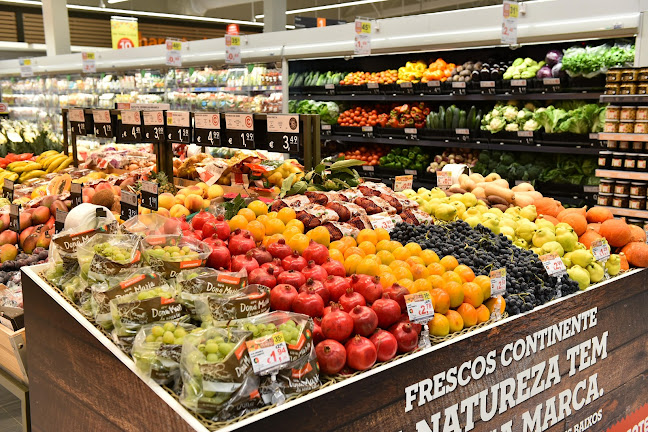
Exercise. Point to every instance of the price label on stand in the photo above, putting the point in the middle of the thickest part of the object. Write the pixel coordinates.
(381, 220)
(411, 134)
(434, 87)
(76, 116)
(374, 88)
(519, 86)
(14, 217)
(8, 190)
(88, 62)
(130, 127)
(128, 205)
(444, 179)
(419, 307)
(173, 53)
(149, 194)
(76, 194)
(178, 126)
(511, 11)
(600, 250)
(362, 37)
(553, 265)
(487, 87)
(367, 131)
(407, 87)
(26, 70)
(232, 49)
(268, 352)
(153, 126)
(403, 182)
(551, 85)
(326, 129)
(498, 282)
(207, 129)
(459, 87)
(102, 123)
(59, 220)
(283, 133)
(526, 137)
(240, 131)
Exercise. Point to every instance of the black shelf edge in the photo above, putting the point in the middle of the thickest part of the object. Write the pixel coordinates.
(448, 97)
(624, 98)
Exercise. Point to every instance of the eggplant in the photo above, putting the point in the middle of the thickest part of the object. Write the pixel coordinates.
(476, 76)
(485, 74)
(494, 74)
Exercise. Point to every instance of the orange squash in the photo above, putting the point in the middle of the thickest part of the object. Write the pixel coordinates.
(594, 226)
(636, 253)
(551, 219)
(637, 234)
(588, 237)
(624, 262)
(616, 231)
(580, 211)
(577, 221)
(598, 215)
(548, 206)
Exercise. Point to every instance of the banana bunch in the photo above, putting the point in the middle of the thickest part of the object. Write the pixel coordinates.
(4, 174)
(53, 161)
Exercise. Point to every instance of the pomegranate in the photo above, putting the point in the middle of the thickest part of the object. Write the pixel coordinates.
(318, 336)
(336, 286)
(244, 262)
(199, 233)
(184, 226)
(261, 255)
(316, 252)
(314, 271)
(282, 297)
(308, 303)
(291, 277)
(385, 343)
(398, 293)
(351, 299)
(209, 229)
(279, 249)
(365, 320)
(222, 227)
(318, 287)
(331, 356)
(387, 310)
(334, 267)
(275, 264)
(200, 219)
(327, 309)
(294, 262)
(220, 255)
(240, 242)
(191, 234)
(361, 353)
(368, 287)
(404, 318)
(263, 277)
(337, 324)
(405, 335)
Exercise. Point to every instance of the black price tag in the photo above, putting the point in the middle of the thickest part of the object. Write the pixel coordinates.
(207, 129)
(8, 189)
(551, 85)
(374, 88)
(153, 126)
(240, 131)
(325, 129)
(434, 87)
(330, 89)
(76, 194)
(411, 134)
(14, 217)
(149, 194)
(487, 87)
(59, 221)
(519, 86)
(526, 137)
(459, 88)
(102, 123)
(129, 127)
(367, 132)
(463, 134)
(178, 128)
(283, 133)
(77, 121)
(407, 87)
(128, 205)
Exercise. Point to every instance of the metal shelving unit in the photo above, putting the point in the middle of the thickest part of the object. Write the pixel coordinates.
(422, 97)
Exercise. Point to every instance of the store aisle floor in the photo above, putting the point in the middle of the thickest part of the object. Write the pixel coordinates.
(9, 412)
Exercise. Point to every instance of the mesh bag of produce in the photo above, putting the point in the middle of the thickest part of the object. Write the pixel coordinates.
(106, 255)
(202, 280)
(170, 254)
(219, 309)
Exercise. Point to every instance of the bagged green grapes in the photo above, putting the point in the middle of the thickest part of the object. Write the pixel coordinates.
(106, 255)
(219, 309)
(202, 280)
(151, 224)
(170, 254)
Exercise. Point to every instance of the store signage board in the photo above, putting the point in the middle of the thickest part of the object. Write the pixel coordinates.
(76, 194)
(403, 182)
(232, 49)
(178, 127)
(26, 70)
(102, 123)
(153, 126)
(8, 190)
(14, 217)
(130, 126)
(362, 37)
(128, 205)
(88, 62)
(509, 22)
(239, 131)
(207, 129)
(142, 106)
(149, 195)
(283, 133)
(124, 32)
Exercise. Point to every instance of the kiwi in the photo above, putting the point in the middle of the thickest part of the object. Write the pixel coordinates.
(104, 198)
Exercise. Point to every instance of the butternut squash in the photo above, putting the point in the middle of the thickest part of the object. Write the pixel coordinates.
(523, 187)
(523, 200)
(501, 182)
(479, 192)
(533, 194)
(476, 177)
(492, 176)
(493, 189)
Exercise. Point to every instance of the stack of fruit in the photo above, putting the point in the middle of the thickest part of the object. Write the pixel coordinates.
(360, 78)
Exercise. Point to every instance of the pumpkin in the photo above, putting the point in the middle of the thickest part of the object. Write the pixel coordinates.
(594, 226)
(637, 234)
(580, 211)
(577, 221)
(636, 253)
(616, 231)
(548, 206)
(598, 215)
(624, 262)
(589, 237)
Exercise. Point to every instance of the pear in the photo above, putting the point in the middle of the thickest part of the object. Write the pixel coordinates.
(581, 257)
(536, 250)
(433, 204)
(473, 221)
(521, 243)
(564, 226)
(553, 247)
(489, 215)
(461, 208)
(497, 212)
(544, 223)
(580, 246)
(469, 199)
(428, 208)
(566, 261)
(529, 212)
(525, 230)
(422, 190)
(482, 208)
(513, 210)
(445, 212)
(492, 224)
(508, 223)
(542, 236)
(613, 265)
(455, 197)
(436, 193)
(508, 232)
(566, 238)
(410, 192)
(420, 200)
(472, 211)
(580, 275)
(596, 272)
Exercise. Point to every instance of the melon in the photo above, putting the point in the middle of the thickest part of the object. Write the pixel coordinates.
(59, 184)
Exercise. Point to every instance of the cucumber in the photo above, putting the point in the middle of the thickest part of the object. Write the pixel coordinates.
(441, 118)
(462, 119)
(455, 118)
(478, 120)
(448, 118)
(471, 117)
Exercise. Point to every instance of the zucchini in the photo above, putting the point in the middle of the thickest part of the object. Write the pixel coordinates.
(448, 118)
(478, 119)
(455, 119)
(462, 119)
(471, 117)
(441, 118)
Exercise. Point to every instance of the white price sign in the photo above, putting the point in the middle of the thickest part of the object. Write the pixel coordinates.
(381, 220)
(88, 62)
(131, 117)
(173, 53)
(600, 250)
(419, 307)
(444, 179)
(509, 22)
(362, 37)
(76, 115)
(206, 121)
(553, 264)
(498, 282)
(403, 182)
(239, 122)
(178, 118)
(232, 49)
(101, 116)
(26, 68)
(287, 123)
(268, 352)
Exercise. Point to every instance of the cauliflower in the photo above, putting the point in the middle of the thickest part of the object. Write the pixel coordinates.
(496, 125)
(521, 115)
(510, 113)
(531, 125)
(488, 118)
(513, 127)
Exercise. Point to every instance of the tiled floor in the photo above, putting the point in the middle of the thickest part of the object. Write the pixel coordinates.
(9, 412)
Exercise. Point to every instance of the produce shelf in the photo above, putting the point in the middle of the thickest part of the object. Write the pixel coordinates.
(623, 136)
(447, 97)
(624, 98)
(623, 175)
(643, 214)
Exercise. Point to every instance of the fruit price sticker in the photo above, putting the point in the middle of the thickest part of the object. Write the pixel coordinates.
(149, 193)
(232, 49)
(498, 282)
(173, 53)
(59, 221)
(419, 307)
(88, 62)
(444, 179)
(600, 250)
(403, 182)
(76, 194)
(362, 37)
(553, 264)
(511, 11)
(128, 205)
(8, 189)
(268, 352)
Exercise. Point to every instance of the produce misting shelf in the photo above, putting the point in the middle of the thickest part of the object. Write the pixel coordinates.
(623, 175)
(447, 97)
(75, 367)
(642, 214)
(623, 136)
(624, 98)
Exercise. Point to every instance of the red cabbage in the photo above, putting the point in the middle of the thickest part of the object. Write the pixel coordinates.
(553, 57)
(544, 72)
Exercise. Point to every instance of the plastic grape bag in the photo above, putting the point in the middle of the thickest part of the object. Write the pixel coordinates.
(219, 309)
(151, 224)
(170, 254)
(106, 255)
(202, 280)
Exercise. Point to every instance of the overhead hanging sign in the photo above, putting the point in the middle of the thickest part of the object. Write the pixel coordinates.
(88, 62)
(232, 49)
(124, 32)
(173, 53)
(362, 37)
(26, 68)
(509, 23)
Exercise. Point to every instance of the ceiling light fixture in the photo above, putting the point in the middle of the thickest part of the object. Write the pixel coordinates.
(324, 7)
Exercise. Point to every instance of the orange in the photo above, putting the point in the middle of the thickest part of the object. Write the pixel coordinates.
(451, 276)
(263, 219)
(485, 283)
(249, 214)
(349, 241)
(413, 248)
(436, 269)
(288, 232)
(257, 230)
(387, 280)
(400, 253)
(441, 300)
(336, 255)
(275, 226)
(407, 283)
(415, 260)
(498, 301)
(468, 313)
(455, 321)
(351, 264)
(393, 245)
(238, 221)
(403, 273)
(382, 234)
(449, 262)
(429, 257)
(299, 242)
(320, 235)
(272, 215)
(354, 251)
(258, 207)
(383, 245)
(367, 235)
(366, 246)
(456, 293)
(436, 281)
(382, 269)
(473, 294)
(339, 245)
(367, 266)
(385, 257)
(420, 285)
(286, 214)
(465, 272)
(419, 271)
(483, 314)
(397, 263)
(268, 240)
(439, 325)
(296, 223)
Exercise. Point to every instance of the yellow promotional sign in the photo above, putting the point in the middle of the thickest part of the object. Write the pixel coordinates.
(124, 33)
